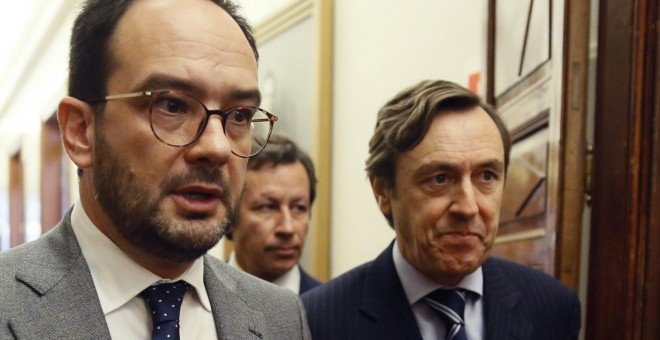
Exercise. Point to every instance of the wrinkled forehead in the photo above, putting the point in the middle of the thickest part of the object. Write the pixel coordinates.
(281, 174)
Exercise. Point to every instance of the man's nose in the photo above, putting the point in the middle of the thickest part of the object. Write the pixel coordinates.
(285, 222)
(464, 201)
(212, 147)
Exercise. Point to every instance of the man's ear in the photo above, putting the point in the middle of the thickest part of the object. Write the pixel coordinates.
(76, 120)
(383, 194)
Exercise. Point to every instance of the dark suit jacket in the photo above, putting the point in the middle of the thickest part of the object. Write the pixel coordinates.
(47, 292)
(368, 302)
(307, 282)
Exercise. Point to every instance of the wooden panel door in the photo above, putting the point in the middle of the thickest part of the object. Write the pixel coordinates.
(537, 80)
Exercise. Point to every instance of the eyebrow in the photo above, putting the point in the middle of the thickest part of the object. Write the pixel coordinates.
(435, 166)
(161, 81)
(495, 164)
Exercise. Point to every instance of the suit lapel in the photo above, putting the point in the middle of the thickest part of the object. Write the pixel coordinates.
(307, 282)
(385, 303)
(60, 297)
(503, 319)
(234, 319)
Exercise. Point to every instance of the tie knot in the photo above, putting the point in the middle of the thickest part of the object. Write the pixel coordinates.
(165, 300)
(453, 299)
(449, 304)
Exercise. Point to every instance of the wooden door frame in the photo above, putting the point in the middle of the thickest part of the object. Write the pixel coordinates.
(624, 288)
(54, 183)
(16, 200)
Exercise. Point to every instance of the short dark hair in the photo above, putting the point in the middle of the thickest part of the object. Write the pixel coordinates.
(90, 58)
(282, 150)
(403, 122)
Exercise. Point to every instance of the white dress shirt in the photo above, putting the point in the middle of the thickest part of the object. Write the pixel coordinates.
(417, 286)
(290, 279)
(118, 281)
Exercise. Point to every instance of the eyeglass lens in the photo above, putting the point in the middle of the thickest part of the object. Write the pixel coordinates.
(178, 119)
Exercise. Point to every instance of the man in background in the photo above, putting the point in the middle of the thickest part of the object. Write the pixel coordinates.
(437, 166)
(160, 119)
(274, 215)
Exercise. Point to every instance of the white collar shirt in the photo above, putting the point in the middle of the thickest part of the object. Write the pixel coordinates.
(118, 281)
(289, 280)
(416, 286)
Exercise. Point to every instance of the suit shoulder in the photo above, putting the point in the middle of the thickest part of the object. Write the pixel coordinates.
(345, 287)
(252, 288)
(57, 245)
(528, 279)
(552, 307)
(10, 262)
(281, 309)
(12, 259)
(517, 270)
(307, 282)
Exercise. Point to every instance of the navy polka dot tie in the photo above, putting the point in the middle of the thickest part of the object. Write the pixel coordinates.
(165, 303)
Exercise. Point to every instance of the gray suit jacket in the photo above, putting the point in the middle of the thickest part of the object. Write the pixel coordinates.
(47, 292)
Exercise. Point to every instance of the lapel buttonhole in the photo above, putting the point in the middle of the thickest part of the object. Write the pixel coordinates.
(257, 333)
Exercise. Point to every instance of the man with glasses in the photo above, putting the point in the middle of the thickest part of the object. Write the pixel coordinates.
(161, 118)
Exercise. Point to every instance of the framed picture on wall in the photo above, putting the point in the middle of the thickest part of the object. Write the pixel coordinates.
(286, 72)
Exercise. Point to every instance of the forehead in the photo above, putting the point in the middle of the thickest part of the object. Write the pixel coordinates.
(463, 137)
(281, 176)
(191, 39)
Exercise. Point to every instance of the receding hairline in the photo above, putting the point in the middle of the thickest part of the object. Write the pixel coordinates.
(113, 39)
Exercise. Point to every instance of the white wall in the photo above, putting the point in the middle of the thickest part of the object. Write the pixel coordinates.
(382, 46)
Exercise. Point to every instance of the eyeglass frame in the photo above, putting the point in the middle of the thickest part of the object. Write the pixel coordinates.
(153, 94)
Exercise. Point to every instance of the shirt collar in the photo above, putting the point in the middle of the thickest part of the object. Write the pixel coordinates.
(290, 279)
(118, 278)
(416, 285)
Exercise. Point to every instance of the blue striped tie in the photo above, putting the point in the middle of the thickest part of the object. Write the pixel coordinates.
(449, 304)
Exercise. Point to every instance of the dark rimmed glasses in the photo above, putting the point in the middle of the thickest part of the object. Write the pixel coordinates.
(178, 119)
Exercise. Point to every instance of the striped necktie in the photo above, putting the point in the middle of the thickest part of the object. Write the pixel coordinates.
(449, 304)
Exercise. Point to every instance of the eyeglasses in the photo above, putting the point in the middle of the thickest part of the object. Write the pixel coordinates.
(177, 119)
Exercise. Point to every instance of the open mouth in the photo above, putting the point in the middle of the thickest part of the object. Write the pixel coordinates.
(201, 196)
(197, 199)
